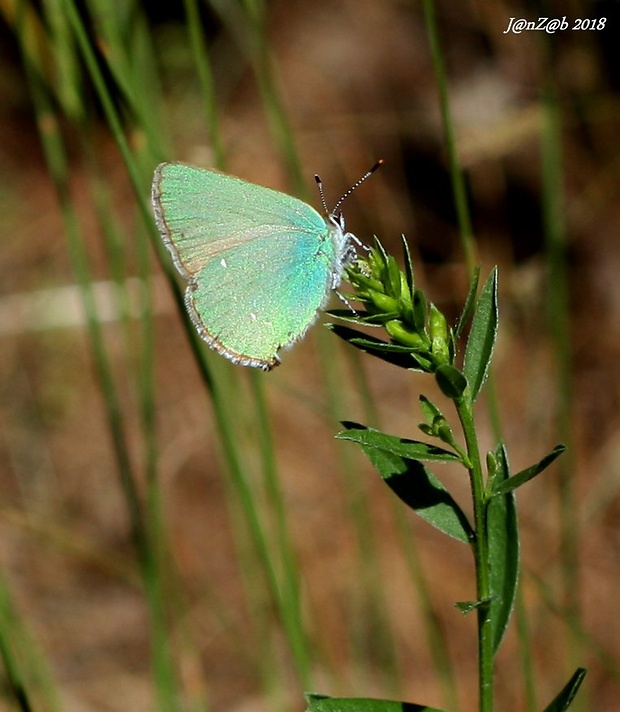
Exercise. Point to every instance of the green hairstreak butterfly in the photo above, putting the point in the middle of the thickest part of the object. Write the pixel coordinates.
(259, 263)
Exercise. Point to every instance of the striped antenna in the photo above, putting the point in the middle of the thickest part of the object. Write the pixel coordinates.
(345, 195)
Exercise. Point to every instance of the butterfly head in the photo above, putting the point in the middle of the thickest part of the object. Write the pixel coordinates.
(336, 223)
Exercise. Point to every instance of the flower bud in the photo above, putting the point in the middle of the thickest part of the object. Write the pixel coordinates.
(438, 329)
(397, 330)
(382, 301)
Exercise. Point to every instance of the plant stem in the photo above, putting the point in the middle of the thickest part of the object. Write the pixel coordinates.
(480, 548)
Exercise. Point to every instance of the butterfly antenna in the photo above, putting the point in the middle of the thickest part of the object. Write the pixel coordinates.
(356, 185)
(319, 183)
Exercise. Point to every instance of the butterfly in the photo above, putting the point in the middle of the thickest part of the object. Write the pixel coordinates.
(259, 264)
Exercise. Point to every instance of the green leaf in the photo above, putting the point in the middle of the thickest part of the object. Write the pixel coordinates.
(567, 695)
(320, 703)
(419, 489)
(384, 255)
(468, 606)
(411, 449)
(436, 424)
(526, 475)
(468, 307)
(420, 310)
(503, 539)
(451, 381)
(408, 269)
(430, 410)
(482, 336)
(394, 278)
(363, 318)
(402, 356)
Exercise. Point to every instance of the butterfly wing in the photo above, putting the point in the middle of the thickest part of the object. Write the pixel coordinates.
(259, 263)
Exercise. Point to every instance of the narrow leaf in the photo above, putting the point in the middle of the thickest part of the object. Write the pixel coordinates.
(468, 606)
(430, 410)
(412, 449)
(363, 318)
(384, 255)
(567, 695)
(419, 489)
(393, 280)
(482, 336)
(420, 310)
(503, 538)
(319, 703)
(528, 474)
(468, 307)
(401, 356)
(451, 381)
(408, 268)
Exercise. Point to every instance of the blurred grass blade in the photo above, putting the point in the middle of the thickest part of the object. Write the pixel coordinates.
(290, 598)
(202, 62)
(435, 634)
(558, 315)
(456, 173)
(319, 703)
(247, 22)
(28, 677)
(59, 171)
(370, 629)
(122, 49)
(146, 539)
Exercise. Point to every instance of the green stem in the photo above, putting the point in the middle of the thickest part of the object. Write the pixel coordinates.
(480, 548)
(459, 191)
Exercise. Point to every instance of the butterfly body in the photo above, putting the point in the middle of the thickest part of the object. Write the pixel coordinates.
(259, 263)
